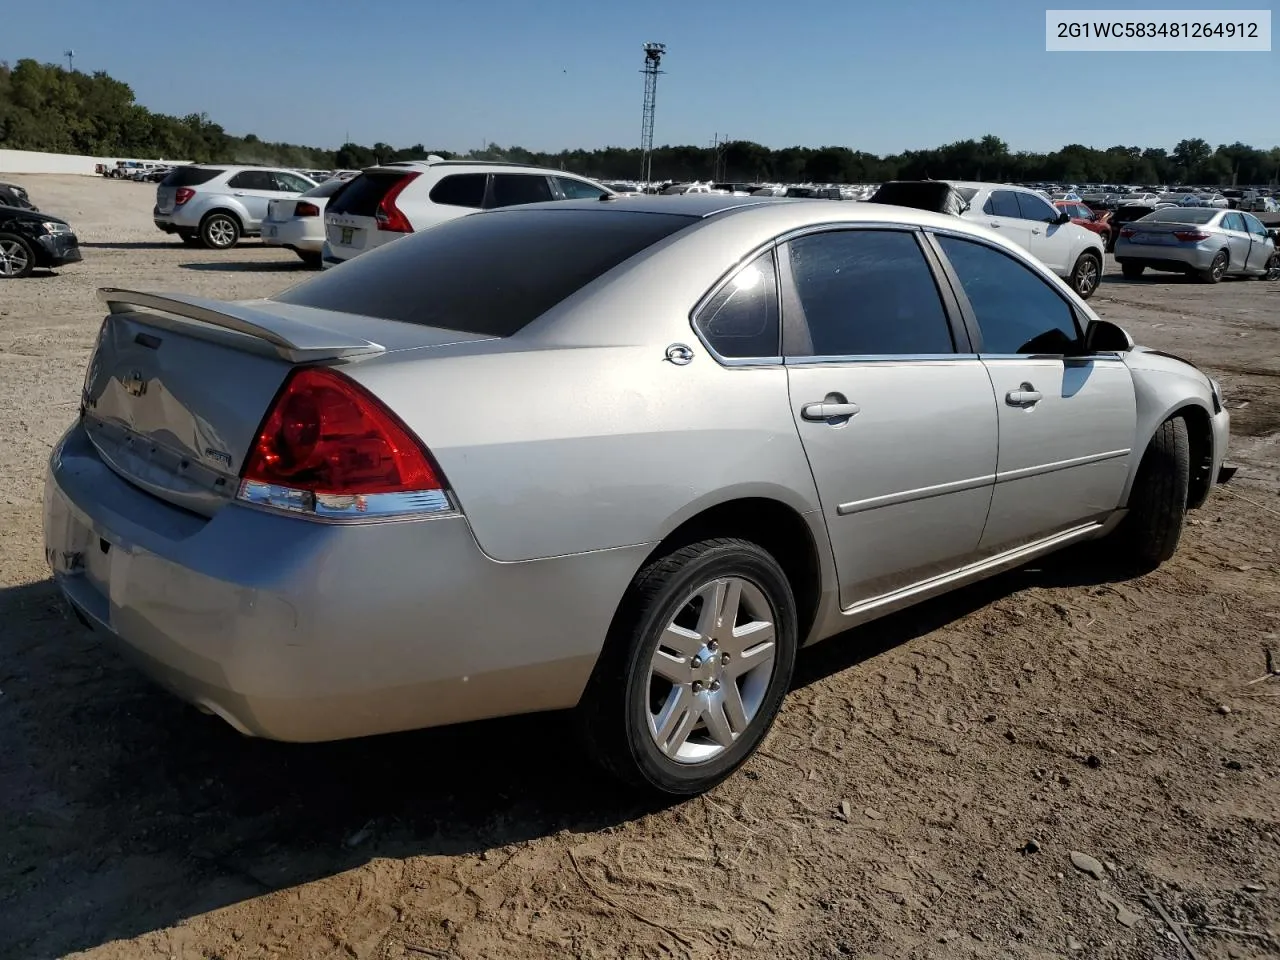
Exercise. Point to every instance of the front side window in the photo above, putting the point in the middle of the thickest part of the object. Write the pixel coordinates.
(1002, 203)
(1254, 225)
(1016, 309)
(290, 183)
(578, 189)
(867, 293)
(514, 189)
(1035, 208)
(741, 320)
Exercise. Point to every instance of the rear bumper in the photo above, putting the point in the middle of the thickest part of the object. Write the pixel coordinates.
(292, 234)
(58, 249)
(303, 631)
(1162, 257)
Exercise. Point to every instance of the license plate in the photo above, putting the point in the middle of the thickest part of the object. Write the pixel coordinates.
(1153, 238)
(347, 233)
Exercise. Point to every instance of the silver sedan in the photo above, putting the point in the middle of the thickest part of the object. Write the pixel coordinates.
(1205, 242)
(622, 456)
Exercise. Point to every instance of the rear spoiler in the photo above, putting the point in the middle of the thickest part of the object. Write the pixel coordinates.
(293, 340)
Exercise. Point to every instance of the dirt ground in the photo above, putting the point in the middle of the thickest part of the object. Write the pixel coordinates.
(921, 796)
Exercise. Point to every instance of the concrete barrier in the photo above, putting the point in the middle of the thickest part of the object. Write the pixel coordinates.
(28, 161)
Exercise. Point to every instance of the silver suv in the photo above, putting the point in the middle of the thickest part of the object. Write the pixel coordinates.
(216, 204)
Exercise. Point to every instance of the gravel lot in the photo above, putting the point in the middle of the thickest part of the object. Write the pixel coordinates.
(921, 795)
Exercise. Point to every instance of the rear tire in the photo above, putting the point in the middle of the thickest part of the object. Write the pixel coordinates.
(1158, 501)
(1132, 271)
(219, 231)
(1086, 274)
(1217, 269)
(310, 258)
(670, 707)
(189, 237)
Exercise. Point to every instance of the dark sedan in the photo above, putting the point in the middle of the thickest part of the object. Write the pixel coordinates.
(12, 195)
(29, 239)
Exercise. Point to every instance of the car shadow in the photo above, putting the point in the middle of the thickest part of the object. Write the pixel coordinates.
(174, 244)
(250, 266)
(128, 811)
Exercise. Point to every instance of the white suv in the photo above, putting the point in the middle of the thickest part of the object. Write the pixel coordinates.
(1032, 222)
(387, 202)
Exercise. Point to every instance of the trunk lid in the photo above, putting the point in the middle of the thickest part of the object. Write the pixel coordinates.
(178, 386)
(279, 211)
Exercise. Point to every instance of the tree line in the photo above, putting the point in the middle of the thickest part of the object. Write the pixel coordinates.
(45, 107)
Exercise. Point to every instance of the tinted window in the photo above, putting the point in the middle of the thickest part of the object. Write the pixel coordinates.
(190, 176)
(742, 318)
(488, 274)
(1002, 203)
(1035, 208)
(512, 189)
(326, 189)
(461, 190)
(866, 293)
(1017, 311)
(252, 180)
(578, 189)
(1233, 221)
(1183, 215)
(364, 193)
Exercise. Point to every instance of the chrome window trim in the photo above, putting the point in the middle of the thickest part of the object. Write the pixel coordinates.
(913, 358)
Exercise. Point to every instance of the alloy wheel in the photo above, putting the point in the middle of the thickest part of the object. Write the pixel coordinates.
(221, 232)
(711, 670)
(1087, 277)
(13, 259)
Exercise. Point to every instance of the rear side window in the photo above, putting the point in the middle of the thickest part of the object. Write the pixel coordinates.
(253, 180)
(190, 176)
(741, 320)
(461, 190)
(364, 193)
(490, 274)
(1003, 203)
(867, 293)
(512, 189)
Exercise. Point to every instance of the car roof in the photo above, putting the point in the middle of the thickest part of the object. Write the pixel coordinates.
(423, 165)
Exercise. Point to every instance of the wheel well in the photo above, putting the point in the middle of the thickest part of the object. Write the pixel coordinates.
(230, 213)
(1200, 440)
(772, 525)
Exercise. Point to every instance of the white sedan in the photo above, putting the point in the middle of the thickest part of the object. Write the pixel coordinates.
(298, 222)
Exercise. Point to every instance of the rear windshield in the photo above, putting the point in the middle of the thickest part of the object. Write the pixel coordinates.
(326, 189)
(489, 274)
(364, 193)
(189, 176)
(1183, 214)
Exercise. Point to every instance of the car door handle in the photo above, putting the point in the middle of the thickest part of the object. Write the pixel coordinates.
(829, 411)
(1035, 231)
(1025, 396)
(995, 223)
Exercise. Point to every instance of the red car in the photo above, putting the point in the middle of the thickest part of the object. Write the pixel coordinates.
(1097, 222)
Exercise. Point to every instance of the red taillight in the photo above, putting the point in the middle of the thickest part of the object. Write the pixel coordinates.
(388, 215)
(1191, 236)
(182, 195)
(304, 209)
(330, 448)
(1127, 231)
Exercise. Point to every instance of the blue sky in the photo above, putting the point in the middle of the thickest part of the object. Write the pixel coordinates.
(880, 76)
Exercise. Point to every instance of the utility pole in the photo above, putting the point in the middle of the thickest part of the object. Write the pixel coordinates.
(71, 60)
(718, 166)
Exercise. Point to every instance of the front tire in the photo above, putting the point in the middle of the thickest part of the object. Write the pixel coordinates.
(219, 231)
(1158, 500)
(694, 669)
(17, 259)
(1086, 274)
(1217, 269)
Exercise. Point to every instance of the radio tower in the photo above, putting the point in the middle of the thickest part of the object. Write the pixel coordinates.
(652, 60)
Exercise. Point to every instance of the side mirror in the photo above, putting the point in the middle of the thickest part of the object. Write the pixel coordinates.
(1063, 217)
(1103, 336)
